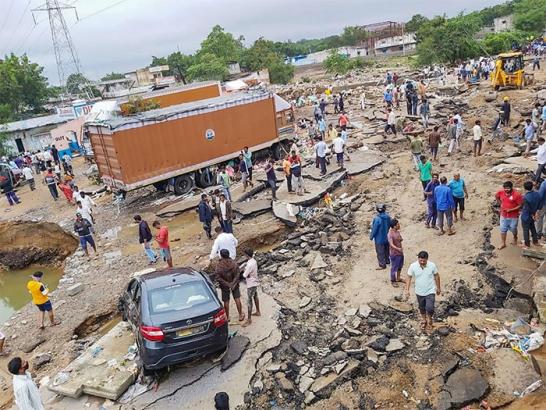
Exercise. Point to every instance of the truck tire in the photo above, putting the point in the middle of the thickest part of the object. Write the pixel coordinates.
(276, 151)
(183, 184)
(206, 178)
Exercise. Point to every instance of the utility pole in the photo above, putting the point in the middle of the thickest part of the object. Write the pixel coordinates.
(66, 56)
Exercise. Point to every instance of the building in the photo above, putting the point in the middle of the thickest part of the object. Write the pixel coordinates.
(398, 44)
(61, 129)
(505, 23)
(150, 76)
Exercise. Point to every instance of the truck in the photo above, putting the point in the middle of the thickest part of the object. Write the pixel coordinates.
(179, 146)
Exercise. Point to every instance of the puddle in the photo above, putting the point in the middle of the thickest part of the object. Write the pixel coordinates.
(13, 288)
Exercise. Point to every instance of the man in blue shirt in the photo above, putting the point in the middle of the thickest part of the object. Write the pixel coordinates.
(380, 229)
(529, 135)
(458, 190)
(444, 205)
(532, 202)
(540, 227)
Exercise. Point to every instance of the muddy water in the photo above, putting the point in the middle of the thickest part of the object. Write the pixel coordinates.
(13, 288)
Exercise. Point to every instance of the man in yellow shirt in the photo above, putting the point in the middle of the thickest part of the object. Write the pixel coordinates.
(286, 165)
(331, 135)
(39, 292)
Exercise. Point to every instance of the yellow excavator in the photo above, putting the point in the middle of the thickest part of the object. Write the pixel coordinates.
(510, 71)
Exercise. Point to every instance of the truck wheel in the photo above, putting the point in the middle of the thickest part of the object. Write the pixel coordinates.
(161, 185)
(276, 151)
(183, 184)
(206, 178)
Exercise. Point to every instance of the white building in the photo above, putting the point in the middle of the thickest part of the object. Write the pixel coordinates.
(396, 44)
(505, 23)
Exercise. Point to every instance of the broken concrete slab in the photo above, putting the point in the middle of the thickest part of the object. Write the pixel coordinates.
(395, 345)
(286, 212)
(314, 190)
(29, 347)
(322, 386)
(75, 289)
(382, 139)
(318, 262)
(252, 207)
(363, 161)
(236, 347)
(102, 370)
(510, 374)
(465, 386)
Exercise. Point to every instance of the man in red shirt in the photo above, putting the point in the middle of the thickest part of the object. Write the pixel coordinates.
(510, 203)
(162, 239)
(343, 120)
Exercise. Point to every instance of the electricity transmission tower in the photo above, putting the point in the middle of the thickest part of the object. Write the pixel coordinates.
(65, 53)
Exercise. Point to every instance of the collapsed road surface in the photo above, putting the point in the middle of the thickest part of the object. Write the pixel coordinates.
(336, 334)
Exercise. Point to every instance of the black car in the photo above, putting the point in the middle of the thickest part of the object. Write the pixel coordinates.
(176, 316)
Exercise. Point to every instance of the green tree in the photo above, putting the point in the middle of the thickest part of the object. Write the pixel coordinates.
(4, 150)
(336, 63)
(415, 23)
(530, 16)
(223, 45)
(179, 64)
(263, 54)
(352, 36)
(23, 88)
(448, 40)
(208, 67)
(113, 76)
(158, 61)
(496, 43)
(78, 84)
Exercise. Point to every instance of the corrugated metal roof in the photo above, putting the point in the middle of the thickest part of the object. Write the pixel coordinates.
(184, 110)
(35, 122)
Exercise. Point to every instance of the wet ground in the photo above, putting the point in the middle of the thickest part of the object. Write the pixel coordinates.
(12, 284)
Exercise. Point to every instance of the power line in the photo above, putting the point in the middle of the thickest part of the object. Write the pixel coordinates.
(20, 20)
(101, 10)
(7, 16)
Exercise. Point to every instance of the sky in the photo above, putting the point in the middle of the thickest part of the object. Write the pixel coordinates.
(122, 35)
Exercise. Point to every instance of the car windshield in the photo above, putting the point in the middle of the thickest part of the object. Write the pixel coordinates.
(180, 296)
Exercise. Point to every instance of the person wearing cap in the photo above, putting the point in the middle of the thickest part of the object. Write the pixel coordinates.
(39, 293)
(380, 229)
(506, 111)
(83, 228)
(25, 391)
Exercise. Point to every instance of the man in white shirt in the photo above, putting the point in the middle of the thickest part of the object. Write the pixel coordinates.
(224, 241)
(76, 195)
(541, 158)
(29, 177)
(88, 203)
(339, 144)
(391, 123)
(320, 151)
(25, 391)
(85, 212)
(478, 138)
(48, 158)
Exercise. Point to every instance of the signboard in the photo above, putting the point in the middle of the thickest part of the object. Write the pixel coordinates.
(65, 112)
(159, 68)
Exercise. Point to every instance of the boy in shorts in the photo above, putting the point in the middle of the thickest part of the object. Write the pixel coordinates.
(39, 292)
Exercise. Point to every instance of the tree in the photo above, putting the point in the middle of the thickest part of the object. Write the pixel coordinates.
(262, 55)
(208, 67)
(444, 40)
(223, 45)
(352, 36)
(113, 76)
(496, 43)
(530, 16)
(23, 88)
(78, 84)
(179, 64)
(415, 23)
(158, 61)
(336, 63)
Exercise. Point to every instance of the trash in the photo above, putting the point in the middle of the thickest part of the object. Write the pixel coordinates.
(134, 391)
(96, 351)
(531, 388)
(61, 378)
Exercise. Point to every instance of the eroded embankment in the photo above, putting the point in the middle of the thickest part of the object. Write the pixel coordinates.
(23, 243)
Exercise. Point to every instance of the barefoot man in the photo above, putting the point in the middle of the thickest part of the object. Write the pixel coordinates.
(227, 274)
(252, 283)
(510, 203)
